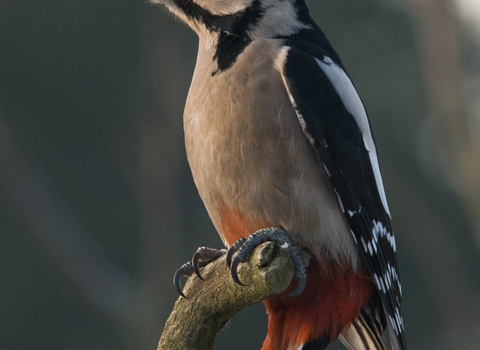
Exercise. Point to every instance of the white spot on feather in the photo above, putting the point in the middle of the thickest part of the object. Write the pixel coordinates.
(379, 230)
(339, 198)
(327, 171)
(364, 244)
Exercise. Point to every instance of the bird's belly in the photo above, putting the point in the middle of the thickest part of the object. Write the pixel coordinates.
(249, 181)
(253, 166)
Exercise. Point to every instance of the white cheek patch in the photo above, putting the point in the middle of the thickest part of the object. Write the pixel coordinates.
(353, 104)
(223, 7)
(280, 18)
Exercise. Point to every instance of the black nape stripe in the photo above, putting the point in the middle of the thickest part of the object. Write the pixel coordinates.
(213, 22)
(236, 24)
(232, 43)
(303, 13)
(232, 29)
(229, 47)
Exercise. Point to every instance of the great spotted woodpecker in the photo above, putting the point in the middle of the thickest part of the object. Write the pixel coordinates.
(277, 136)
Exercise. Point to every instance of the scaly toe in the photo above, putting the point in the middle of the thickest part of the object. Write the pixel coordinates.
(196, 264)
(233, 249)
(204, 256)
(245, 246)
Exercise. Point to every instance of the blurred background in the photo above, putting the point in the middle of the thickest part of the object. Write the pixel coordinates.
(97, 204)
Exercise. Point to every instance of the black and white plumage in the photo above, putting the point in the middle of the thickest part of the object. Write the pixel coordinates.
(333, 121)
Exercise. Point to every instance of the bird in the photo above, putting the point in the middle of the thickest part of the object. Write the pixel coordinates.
(281, 148)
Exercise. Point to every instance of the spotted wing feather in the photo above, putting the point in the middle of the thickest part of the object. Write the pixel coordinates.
(333, 119)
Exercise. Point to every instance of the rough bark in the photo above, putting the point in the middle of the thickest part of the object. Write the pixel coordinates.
(195, 322)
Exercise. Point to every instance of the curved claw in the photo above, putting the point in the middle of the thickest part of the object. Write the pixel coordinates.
(195, 264)
(233, 270)
(302, 281)
(231, 251)
(226, 325)
(176, 281)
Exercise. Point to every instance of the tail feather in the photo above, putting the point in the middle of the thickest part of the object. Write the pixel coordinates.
(396, 344)
(367, 329)
(360, 336)
(319, 344)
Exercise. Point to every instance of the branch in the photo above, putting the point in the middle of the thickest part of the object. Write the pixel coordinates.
(195, 322)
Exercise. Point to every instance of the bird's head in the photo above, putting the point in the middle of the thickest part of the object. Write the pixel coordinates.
(245, 19)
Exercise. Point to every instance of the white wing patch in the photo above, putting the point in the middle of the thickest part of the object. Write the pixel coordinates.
(352, 102)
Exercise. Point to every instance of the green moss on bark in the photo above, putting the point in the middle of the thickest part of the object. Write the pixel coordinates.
(195, 322)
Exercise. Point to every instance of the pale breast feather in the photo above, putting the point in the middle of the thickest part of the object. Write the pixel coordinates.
(335, 122)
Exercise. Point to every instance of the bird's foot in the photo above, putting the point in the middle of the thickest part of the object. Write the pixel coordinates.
(202, 257)
(245, 246)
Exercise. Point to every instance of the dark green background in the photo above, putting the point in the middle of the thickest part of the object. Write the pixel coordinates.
(97, 204)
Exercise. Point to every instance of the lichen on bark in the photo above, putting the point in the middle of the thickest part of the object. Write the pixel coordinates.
(195, 321)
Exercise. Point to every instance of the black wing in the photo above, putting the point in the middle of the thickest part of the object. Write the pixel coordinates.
(334, 120)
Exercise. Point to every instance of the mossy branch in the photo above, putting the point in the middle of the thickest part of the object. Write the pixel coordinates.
(195, 322)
